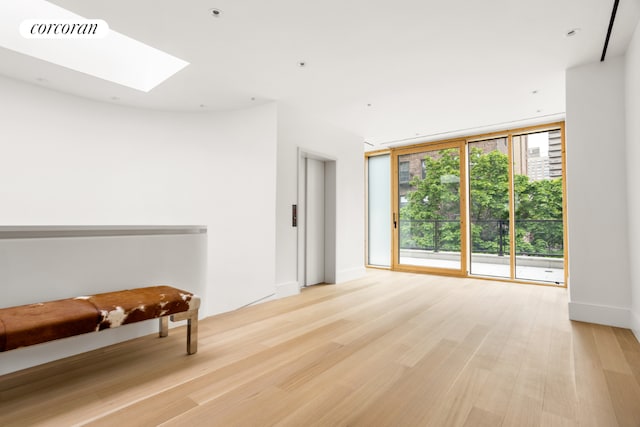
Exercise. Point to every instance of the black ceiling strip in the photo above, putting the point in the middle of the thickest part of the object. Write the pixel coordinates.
(613, 18)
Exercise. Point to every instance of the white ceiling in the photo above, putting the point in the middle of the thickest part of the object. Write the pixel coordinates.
(425, 67)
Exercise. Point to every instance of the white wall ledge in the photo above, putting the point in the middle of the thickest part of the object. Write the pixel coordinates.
(62, 231)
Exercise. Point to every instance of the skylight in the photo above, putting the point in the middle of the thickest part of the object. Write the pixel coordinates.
(114, 57)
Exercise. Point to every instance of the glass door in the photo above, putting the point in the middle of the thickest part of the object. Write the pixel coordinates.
(516, 207)
(538, 212)
(490, 246)
(428, 214)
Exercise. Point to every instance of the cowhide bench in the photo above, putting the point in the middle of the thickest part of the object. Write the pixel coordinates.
(37, 323)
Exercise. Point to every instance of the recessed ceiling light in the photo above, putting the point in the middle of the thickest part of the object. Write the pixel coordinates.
(369, 105)
(216, 13)
(572, 32)
(538, 111)
(302, 64)
(253, 98)
(114, 57)
(202, 105)
(534, 92)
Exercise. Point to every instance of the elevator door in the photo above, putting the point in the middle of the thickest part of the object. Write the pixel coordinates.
(315, 222)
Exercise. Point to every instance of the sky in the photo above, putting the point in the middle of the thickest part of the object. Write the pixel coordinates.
(540, 140)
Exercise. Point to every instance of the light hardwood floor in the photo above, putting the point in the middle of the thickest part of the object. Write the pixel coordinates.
(392, 349)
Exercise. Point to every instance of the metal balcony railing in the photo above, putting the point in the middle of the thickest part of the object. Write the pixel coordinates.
(534, 237)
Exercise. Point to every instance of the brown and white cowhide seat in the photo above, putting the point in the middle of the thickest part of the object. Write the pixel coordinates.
(47, 321)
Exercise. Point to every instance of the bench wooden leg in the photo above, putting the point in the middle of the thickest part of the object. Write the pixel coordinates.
(164, 326)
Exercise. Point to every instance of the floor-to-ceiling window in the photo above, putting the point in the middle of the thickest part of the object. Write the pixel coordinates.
(378, 168)
(486, 206)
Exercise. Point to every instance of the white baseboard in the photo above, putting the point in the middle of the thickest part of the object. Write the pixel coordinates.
(350, 274)
(287, 289)
(635, 325)
(600, 314)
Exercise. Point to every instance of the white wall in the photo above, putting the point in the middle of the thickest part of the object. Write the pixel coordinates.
(633, 171)
(296, 131)
(599, 281)
(70, 161)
